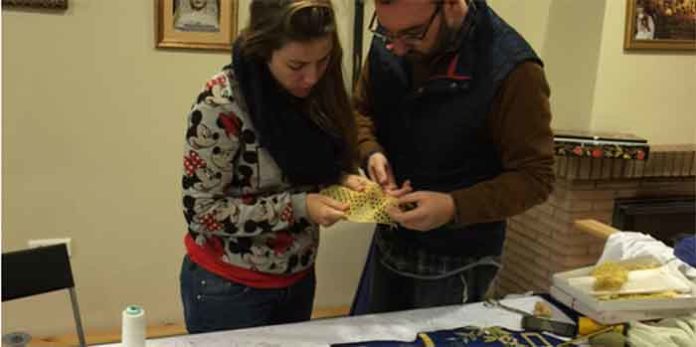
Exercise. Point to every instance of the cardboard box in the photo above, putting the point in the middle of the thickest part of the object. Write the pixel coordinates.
(623, 310)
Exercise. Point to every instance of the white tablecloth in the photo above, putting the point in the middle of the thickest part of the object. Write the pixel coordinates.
(387, 326)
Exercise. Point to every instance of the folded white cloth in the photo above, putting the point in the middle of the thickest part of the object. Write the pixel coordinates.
(628, 245)
(665, 333)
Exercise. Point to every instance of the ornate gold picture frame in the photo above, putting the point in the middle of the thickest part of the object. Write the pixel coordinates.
(47, 4)
(660, 25)
(196, 24)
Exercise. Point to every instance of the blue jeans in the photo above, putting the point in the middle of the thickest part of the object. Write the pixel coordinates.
(214, 303)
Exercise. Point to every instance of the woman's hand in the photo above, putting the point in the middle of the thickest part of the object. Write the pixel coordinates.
(325, 211)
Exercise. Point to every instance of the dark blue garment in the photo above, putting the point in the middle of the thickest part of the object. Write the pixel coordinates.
(212, 303)
(467, 336)
(685, 250)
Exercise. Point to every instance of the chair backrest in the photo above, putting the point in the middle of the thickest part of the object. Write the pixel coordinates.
(35, 271)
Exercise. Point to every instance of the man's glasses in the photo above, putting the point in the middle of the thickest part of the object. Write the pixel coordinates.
(410, 37)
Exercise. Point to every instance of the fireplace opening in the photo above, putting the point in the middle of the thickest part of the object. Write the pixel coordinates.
(666, 219)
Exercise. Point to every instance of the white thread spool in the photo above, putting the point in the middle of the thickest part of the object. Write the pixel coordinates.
(133, 327)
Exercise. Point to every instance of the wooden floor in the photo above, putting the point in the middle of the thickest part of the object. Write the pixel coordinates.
(100, 337)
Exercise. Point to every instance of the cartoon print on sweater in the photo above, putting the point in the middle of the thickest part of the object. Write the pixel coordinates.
(263, 217)
(231, 123)
(198, 174)
(258, 256)
(307, 256)
(281, 243)
(249, 158)
(243, 176)
(216, 92)
(222, 158)
(238, 245)
(227, 215)
(227, 203)
(194, 207)
(198, 135)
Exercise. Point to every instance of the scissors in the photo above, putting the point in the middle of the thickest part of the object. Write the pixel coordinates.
(492, 303)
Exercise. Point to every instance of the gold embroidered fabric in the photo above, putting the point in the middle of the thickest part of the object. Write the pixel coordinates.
(368, 206)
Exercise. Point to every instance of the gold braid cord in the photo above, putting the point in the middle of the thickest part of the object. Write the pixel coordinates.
(368, 206)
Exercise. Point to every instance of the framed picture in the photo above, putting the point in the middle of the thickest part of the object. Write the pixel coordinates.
(196, 24)
(49, 4)
(660, 25)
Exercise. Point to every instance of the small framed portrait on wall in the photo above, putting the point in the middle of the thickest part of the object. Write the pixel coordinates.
(196, 24)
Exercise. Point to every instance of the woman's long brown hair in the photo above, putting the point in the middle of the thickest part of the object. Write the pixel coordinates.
(275, 23)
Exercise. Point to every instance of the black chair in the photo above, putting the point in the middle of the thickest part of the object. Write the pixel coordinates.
(37, 271)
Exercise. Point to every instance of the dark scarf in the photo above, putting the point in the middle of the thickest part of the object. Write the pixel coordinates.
(306, 154)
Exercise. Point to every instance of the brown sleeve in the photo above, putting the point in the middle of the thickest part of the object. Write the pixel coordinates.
(367, 140)
(520, 126)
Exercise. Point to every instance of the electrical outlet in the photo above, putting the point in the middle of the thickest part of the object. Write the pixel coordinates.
(50, 242)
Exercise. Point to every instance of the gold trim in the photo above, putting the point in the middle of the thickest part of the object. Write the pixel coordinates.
(531, 343)
(658, 44)
(167, 37)
(427, 341)
(49, 4)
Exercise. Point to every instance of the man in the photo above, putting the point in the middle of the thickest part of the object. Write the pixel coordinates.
(453, 116)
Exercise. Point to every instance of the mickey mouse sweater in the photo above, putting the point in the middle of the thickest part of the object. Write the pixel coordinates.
(245, 222)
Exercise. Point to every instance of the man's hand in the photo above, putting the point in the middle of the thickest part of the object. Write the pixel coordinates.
(432, 210)
(380, 171)
(325, 211)
(399, 192)
(355, 182)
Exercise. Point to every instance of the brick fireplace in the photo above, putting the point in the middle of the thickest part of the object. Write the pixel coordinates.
(543, 241)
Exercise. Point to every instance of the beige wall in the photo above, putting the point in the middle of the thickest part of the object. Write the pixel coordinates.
(649, 94)
(93, 124)
(571, 52)
(596, 85)
(529, 17)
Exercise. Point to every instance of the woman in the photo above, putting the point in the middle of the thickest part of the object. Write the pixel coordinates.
(263, 137)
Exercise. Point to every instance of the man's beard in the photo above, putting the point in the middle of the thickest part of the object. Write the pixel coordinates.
(446, 39)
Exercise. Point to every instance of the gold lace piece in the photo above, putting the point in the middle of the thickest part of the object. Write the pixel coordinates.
(368, 206)
(612, 275)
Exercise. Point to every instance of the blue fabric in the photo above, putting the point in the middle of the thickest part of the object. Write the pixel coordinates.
(467, 336)
(212, 303)
(685, 250)
(361, 301)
